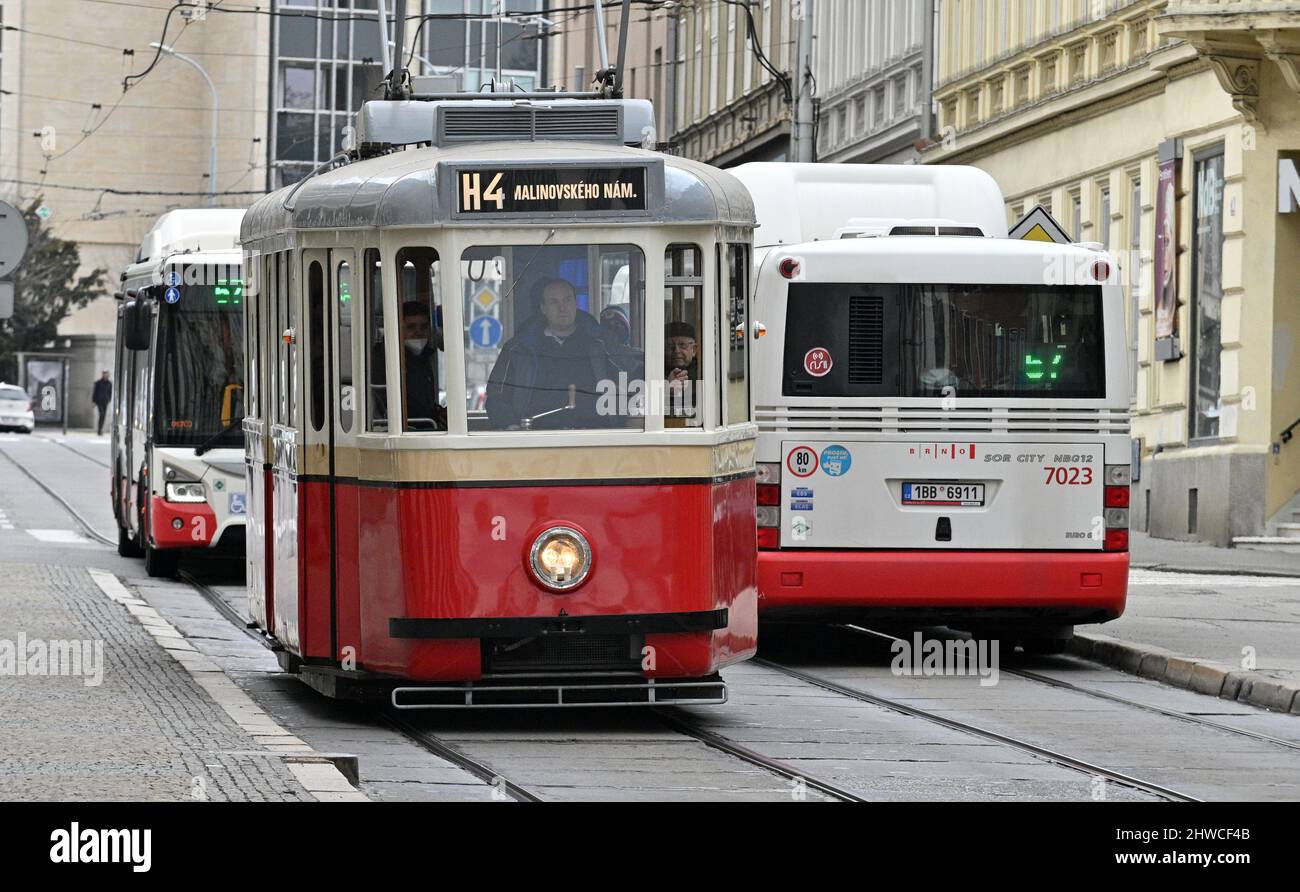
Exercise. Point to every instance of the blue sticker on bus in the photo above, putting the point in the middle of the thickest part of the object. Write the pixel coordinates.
(801, 492)
(801, 506)
(835, 461)
(171, 295)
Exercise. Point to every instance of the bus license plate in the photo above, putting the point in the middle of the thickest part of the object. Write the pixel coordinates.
(959, 494)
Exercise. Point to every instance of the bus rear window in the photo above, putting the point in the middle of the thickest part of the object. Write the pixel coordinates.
(944, 340)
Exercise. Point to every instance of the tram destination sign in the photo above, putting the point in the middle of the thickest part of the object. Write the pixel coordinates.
(523, 191)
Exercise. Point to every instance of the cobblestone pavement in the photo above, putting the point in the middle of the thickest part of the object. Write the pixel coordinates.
(141, 730)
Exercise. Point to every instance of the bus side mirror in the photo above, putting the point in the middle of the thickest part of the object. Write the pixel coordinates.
(136, 325)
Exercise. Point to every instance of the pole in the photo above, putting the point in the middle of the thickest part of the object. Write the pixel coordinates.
(212, 89)
(601, 45)
(801, 129)
(385, 58)
(63, 397)
(623, 26)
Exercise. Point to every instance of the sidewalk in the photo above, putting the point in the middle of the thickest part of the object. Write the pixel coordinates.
(1220, 621)
(1196, 557)
(98, 709)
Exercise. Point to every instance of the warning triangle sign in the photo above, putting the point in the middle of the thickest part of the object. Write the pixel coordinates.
(1039, 226)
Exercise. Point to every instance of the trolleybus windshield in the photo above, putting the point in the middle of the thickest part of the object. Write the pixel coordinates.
(555, 336)
(925, 340)
(200, 366)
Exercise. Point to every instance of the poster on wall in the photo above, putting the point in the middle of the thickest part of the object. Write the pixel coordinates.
(1166, 259)
(46, 379)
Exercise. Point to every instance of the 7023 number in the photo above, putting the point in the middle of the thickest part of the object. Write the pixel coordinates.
(1068, 476)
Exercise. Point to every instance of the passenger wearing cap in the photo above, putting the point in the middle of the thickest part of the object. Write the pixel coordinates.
(559, 351)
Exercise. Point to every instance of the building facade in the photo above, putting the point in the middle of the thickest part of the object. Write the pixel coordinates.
(1161, 129)
(327, 61)
(874, 66)
(105, 163)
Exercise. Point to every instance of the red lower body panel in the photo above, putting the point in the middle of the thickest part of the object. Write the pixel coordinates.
(197, 524)
(413, 553)
(1082, 581)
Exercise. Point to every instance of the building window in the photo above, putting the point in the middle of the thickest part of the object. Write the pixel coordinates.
(878, 106)
(860, 115)
(1049, 76)
(1076, 216)
(995, 96)
(1207, 291)
(972, 107)
(1078, 63)
(1109, 50)
(1022, 85)
(900, 97)
(1133, 279)
(327, 63)
(1103, 217)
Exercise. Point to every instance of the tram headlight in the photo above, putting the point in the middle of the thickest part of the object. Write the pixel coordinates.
(186, 492)
(560, 558)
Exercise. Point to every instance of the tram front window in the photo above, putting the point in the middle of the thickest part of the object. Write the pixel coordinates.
(200, 367)
(555, 337)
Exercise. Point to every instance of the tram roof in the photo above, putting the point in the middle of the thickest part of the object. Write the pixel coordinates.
(402, 189)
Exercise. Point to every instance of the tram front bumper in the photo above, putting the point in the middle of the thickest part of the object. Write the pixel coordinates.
(1069, 586)
(522, 626)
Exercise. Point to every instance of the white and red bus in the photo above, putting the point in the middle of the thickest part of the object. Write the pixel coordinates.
(177, 456)
(943, 411)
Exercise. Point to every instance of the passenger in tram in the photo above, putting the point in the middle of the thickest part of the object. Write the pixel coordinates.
(681, 367)
(420, 368)
(549, 374)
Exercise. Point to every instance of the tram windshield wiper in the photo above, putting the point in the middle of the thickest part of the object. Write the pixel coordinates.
(212, 440)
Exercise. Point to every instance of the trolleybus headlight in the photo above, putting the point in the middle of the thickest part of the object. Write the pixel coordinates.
(560, 558)
(186, 492)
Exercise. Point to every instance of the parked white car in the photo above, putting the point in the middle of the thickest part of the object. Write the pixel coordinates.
(16, 409)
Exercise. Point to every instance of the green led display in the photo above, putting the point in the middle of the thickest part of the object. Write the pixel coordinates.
(1037, 369)
(228, 291)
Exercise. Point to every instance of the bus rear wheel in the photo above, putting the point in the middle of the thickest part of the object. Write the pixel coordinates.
(160, 564)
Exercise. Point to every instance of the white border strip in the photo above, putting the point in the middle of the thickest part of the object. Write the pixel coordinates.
(321, 778)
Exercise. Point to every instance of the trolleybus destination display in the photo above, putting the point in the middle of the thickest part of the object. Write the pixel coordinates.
(534, 190)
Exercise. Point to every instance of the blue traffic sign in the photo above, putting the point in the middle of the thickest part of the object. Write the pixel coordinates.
(171, 295)
(485, 332)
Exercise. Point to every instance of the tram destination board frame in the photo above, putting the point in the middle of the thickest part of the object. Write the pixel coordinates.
(555, 190)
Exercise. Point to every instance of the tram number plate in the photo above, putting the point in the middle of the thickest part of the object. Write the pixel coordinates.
(960, 494)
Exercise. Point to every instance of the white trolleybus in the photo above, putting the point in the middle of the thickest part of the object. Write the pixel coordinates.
(942, 410)
(178, 459)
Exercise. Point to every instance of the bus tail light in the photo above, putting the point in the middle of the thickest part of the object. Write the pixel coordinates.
(768, 513)
(1116, 501)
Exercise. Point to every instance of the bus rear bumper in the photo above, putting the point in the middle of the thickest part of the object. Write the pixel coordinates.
(933, 586)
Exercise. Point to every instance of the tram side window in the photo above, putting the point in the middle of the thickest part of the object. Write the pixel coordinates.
(735, 332)
(555, 337)
(293, 303)
(377, 404)
(424, 401)
(683, 327)
(343, 315)
(316, 307)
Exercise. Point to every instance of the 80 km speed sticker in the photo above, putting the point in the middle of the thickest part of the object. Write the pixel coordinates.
(802, 461)
(817, 362)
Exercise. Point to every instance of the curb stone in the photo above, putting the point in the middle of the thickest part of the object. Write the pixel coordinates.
(1182, 671)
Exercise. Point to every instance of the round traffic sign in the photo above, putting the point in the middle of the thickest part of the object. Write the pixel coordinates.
(485, 332)
(13, 238)
(801, 461)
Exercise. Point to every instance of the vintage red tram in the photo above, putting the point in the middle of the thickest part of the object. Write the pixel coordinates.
(472, 479)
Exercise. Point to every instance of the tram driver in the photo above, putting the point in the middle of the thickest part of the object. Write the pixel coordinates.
(549, 374)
